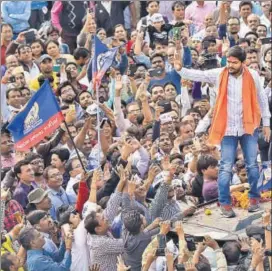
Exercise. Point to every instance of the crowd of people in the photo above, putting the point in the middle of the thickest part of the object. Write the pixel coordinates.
(182, 118)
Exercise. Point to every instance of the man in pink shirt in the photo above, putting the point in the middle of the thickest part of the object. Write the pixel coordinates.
(197, 11)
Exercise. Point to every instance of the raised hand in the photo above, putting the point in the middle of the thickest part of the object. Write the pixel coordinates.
(165, 227)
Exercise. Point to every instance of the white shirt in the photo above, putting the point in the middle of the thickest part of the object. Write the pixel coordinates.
(244, 29)
(107, 5)
(34, 71)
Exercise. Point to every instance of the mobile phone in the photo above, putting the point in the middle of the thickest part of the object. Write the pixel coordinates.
(180, 267)
(190, 243)
(60, 61)
(166, 105)
(103, 122)
(132, 70)
(143, 28)
(56, 68)
(30, 36)
(72, 107)
(12, 79)
(266, 40)
(155, 72)
(162, 245)
(176, 33)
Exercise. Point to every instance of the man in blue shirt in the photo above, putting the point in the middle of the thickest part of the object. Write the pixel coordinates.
(40, 259)
(158, 62)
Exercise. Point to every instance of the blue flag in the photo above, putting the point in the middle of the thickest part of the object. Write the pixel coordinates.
(40, 117)
(101, 61)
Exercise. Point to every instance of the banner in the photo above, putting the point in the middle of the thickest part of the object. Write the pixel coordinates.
(41, 117)
(101, 61)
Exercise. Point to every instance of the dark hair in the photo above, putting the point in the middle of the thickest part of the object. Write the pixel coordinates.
(32, 156)
(40, 42)
(63, 85)
(184, 144)
(91, 223)
(35, 216)
(132, 221)
(81, 52)
(22, 46)
(50, 41)
(176, 156)
(151, 1)
(192, 110)
(51, 29)
(62, 153)
(242, 40)
(232, 251)
(240, 165)
(63, 214)
(99, 29)
(245, 3)
(251, 33)
(70, 63)
(263, 25)
(103, 202)
(26, 237)
(156, 55)
(204, 162)
(154, 86)
(266, 52)
(169, 83)
(81, 92)
(18, 165)
(177, 4)
(6, 263)
(118, 25)
(12, 89)
(251, 50)
(237, 52)
(69, 164)
(3, 24)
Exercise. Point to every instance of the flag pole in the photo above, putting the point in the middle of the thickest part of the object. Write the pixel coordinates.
(74, 145)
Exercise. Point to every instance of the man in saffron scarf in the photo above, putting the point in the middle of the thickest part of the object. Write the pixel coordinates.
(240, 105)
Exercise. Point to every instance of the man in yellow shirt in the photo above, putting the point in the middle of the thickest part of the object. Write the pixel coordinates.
(46, 67)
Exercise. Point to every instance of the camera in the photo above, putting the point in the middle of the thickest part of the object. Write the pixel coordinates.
(210, 61)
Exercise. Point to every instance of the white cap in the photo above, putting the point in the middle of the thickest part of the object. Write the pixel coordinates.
(157, 17)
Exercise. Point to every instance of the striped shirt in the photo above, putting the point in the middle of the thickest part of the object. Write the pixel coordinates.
(235, 105)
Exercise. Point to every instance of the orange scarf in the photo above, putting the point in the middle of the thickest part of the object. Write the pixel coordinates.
(251, 108)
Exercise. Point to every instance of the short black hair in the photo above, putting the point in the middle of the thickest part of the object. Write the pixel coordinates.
(263, 25)
(151, 1)
(176, 156)
(251, 50)
(6, 263)
(50, 41)
(232, 251)
(63, 85)
(22, 46)
(3, 24)
(154, 86)
(251, 33)
(132, 221)
(237, 52)
(178, 4)
(35, 216)
(245, 3)
(26, 237)
(32, 156)
(17, 167)
(242, 40)
(90, 223)
(81, 52)
(204, 162)
(69, 164)
(157, 55)
(12, 89)
(62, 153)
